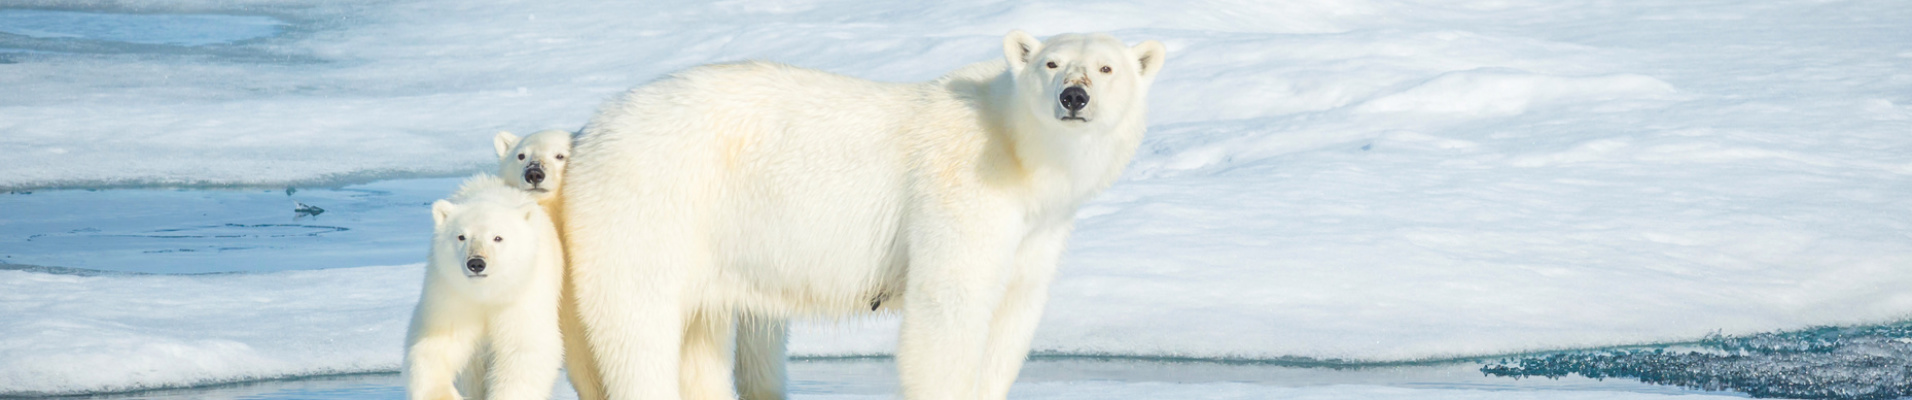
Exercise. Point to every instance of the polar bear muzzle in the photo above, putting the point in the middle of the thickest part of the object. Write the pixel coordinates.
(534, 173)
(476, 265)
(1074, 99)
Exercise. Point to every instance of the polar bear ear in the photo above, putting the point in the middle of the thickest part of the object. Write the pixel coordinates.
(441, 211)
(504, 142)
(1018, 47)
(1151, 54)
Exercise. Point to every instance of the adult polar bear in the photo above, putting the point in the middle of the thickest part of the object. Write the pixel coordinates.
(757, 189)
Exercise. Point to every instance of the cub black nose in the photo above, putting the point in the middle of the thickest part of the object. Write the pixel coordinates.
(476, 265)
(1074, 98)
(534, 175)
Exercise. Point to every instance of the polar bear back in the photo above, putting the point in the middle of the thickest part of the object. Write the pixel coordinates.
(797, 175)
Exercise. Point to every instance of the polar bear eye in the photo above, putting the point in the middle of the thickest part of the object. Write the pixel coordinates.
(496, 239)
(521, 156)
(1052, 65)
(461, 238)
(560, 156)
(1106, 69)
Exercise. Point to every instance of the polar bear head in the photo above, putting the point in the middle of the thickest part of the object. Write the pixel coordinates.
(534, 163)
(1081, 81)
(487, 237)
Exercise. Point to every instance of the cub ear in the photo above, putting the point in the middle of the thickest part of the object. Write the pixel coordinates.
(1151, 54)
(441, 211)
(504, 142)
(1018, 47)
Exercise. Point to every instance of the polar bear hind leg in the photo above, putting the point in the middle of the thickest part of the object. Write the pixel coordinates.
(760, 357)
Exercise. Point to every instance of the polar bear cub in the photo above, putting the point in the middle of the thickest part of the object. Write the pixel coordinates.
(490, 301)
(534, 163)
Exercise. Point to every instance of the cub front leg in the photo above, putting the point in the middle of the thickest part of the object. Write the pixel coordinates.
(526, 351)
(471, 381)
(435, 350)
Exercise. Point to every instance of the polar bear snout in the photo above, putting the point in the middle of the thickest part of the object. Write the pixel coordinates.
(476, 265)
(534, 173)
(1073, 99)
(1072, 102)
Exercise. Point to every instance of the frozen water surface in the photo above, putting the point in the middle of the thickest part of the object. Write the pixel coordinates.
(165, 29)
(231, 230)
(1051, 378)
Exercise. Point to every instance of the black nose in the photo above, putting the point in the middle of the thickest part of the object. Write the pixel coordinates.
(476, 265)
(534, 174)
(1074, 98)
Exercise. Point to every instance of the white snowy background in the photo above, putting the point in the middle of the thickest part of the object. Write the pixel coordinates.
(1360, 180)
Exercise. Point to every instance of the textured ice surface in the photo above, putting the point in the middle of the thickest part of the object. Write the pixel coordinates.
(163, 29)
(1857, 363)
(1053, 379)
(199, 231)
(103, 332)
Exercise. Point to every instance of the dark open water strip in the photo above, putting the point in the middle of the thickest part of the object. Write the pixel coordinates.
(1856, 363)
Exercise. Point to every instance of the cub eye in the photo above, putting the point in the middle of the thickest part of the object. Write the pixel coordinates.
(496, 239)
(520, 156)
(560, 156)
(1106, 69)
(1052, 65)
(461, 238)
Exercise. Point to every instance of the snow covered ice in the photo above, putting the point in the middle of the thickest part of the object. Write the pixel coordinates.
(1343, 181)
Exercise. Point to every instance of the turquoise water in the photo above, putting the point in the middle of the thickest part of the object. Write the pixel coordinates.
(169, 231)
(158, 29)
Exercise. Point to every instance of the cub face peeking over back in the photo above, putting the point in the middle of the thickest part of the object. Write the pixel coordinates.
(489, 307)
(534, 163)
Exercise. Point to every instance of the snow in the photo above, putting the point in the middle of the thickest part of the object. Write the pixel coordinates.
(66, 333)
(1365, 181)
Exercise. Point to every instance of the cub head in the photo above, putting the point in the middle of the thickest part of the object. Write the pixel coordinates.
(1081, 80)
(534, 163)
(487, 236)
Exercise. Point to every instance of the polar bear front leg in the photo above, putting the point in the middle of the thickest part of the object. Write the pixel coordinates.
(952, 288)
(436, 350)
(526, 351)
(1014, 323)
(760, 357)
(471, 381)
(706, 357)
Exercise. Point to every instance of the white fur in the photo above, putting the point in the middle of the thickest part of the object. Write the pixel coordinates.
(550, 149)
(759, 378)
(547, 149)
(757, 189)
(499, 327)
